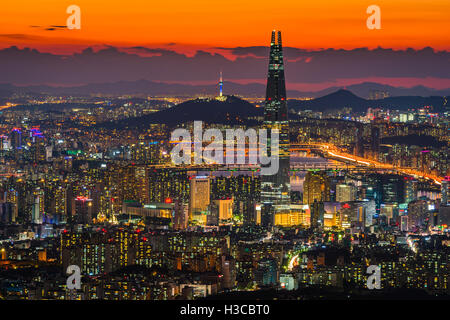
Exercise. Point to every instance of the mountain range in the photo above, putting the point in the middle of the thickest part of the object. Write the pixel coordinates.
(305, 67)
(346, 99)
(234, 111)
(153, 88)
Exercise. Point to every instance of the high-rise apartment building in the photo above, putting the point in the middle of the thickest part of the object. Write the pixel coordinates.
(199, 198)
(345, 192)
(316, 187)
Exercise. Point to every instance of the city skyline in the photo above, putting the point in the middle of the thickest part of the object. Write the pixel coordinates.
(239, 172)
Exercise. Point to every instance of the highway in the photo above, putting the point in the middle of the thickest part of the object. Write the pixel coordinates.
(333, 152)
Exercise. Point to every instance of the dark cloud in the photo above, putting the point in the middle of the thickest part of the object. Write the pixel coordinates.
(53, 28)
(132, 63)
(149, 50)
(49, 28)
(17, 36)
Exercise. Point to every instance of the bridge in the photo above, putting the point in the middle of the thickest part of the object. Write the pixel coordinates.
(305, 147)
(304, 166)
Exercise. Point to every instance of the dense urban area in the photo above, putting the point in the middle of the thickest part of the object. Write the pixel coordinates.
(88, 180)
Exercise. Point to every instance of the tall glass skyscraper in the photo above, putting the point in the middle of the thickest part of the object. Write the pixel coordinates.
(275, 189)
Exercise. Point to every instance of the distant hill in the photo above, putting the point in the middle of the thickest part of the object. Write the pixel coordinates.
(153, 88)
(336, 100)
(234, 110)
(231, 110)
(346, 99)
(407, 102)
(364, 90)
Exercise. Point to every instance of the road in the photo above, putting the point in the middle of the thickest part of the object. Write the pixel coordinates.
(332, 151)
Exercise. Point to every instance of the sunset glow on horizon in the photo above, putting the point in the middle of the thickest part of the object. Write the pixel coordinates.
(190, 25)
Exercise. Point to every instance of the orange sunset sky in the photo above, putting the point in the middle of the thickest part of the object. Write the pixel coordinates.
(188, 25)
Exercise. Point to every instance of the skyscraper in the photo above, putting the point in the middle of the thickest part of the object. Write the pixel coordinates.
(38, 145)
(359, 146)
(316, 187)
(444, 191)
(199, 198)
(16, 138)
(275, 189)
(345, 192)
(410, 189)
(375, 133)
(225, 207)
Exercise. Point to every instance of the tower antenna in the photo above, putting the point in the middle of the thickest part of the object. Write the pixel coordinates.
(220, 85)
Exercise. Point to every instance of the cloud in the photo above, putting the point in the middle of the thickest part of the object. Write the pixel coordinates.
(49, 28)
(18, 36)
(53, 28)
(108, 63)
